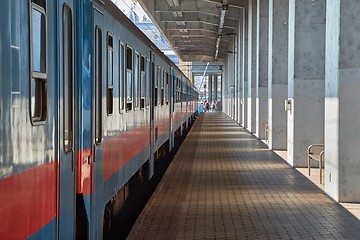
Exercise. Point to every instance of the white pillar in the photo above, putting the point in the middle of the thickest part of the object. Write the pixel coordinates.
(240, 65)
(210, 92)
(278, 73)
(262, 58)
(306, 78)
(342, 102)
(244, 80)
(252, 30)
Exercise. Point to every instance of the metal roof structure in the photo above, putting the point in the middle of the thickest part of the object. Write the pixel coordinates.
(199, 30)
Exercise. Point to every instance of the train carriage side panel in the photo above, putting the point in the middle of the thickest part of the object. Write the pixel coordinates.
(127, 146)
(28, 161)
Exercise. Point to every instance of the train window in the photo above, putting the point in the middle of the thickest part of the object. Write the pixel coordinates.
(129, 72)
(155, 96)
(38, 44)
(179, 93)
(148, 82)
(137, 81)
(142, 82)
(159, 85)
(98, 85)
(175, 90)
(121, 76)
(162, 87)
(110, 71)
(178, 90)
(68, 80)
(167, 89)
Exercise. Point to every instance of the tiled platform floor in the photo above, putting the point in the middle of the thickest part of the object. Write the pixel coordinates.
(224, 184)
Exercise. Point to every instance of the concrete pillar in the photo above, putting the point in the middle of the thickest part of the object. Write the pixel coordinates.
(215, 86)
(306, 78)
(278, 73)
(225, 87)
(239, 65)
(244, 77)
(252, 50)
(342, 102)
(210, 92)
(220, 78)
(235, 86)
(262, 58)
(231, 55)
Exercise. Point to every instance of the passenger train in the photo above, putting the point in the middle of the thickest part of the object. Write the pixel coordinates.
(86, 103)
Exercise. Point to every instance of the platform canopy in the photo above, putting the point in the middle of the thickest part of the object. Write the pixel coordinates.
(199, 30)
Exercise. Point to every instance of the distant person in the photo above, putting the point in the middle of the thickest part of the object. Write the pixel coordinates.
(218, 105)
(200, 107)
(212, 106)
(207, 106)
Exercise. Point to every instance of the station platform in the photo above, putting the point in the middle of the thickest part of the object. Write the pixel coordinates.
(225, 184)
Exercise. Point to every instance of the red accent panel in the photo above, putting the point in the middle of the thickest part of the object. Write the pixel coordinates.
(27, 201)
(121, 149)
(163, 126)
(84, 163)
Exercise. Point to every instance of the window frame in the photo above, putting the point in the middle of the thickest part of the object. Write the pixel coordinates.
(38, 116)
(148, 83)
(68, 109)
(155, 87)
(122, 77)
(109, 82)
(129, 101)
(142, 82)
(98, 85)
(136, 80)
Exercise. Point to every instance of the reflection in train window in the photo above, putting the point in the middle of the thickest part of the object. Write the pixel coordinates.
(98, 85)
(167, 89)
(142, 82)
(110, 80)
(148, 82)
(129, 78)
(155, 95)
(38, 45)
(121, 76)
(68, 80)
(137, 80)
(159, 76)
(162, 87)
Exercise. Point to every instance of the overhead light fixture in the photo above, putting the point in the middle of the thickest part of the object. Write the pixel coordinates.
(173, 3)
(176, 14)
(180, 23)
(176, 3)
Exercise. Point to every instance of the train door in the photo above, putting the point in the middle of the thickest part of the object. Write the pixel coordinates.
(171, 106)
(66, 123)
(153, 101)
(99, 42)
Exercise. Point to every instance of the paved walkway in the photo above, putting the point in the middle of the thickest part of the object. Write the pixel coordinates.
(224, 184)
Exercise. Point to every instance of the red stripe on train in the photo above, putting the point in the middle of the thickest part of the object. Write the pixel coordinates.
(27, 201)
(121, 149)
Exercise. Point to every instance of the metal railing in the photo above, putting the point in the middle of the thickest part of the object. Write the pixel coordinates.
(267, 133)
(317, 156)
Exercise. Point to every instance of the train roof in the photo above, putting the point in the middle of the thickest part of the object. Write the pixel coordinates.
(121, 17)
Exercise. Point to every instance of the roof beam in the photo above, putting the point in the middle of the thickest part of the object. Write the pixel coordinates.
(199, 6)
(197, 17)
(194, 26)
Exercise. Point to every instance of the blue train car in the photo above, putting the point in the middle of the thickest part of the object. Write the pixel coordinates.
(86, 103)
